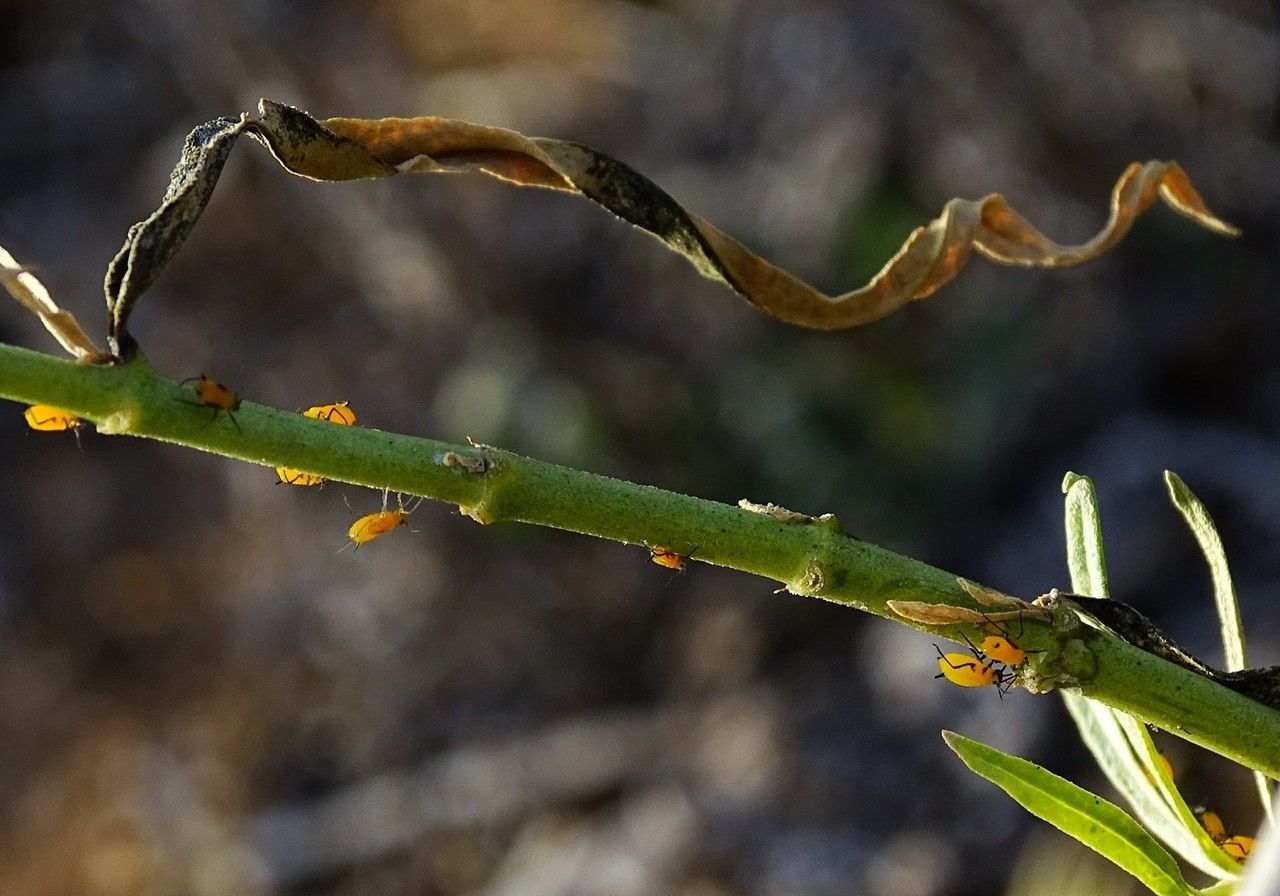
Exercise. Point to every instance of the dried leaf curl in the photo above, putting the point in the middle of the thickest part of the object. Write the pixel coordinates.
(946, 614)
(32, 295)
(337, 149)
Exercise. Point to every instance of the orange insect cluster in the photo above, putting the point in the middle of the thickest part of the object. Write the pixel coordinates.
(338, 413)
(971, 671)
(994, 662)
(212, 394)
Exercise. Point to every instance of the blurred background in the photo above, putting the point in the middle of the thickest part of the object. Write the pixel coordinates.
(198, 695)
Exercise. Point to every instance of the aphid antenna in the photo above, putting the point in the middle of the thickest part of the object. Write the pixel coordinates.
(1004, 629)
(982, 657)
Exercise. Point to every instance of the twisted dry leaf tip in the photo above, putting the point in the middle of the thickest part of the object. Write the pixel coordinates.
(337, 149)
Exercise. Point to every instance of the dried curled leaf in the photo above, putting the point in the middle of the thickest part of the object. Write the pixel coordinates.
(31, 294)
(945, 614)
(781, 514)
(347, 148)
(152, 242)
(1003, 608)
(989, 597)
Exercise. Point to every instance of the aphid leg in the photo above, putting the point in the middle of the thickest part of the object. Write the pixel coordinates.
(409, 509)
(970, 664)
(1005, 681)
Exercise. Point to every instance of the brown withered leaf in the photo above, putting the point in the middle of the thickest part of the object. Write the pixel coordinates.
(945, 614)
(347, 148)
(989, 597)
(152, 242)
(32, 295)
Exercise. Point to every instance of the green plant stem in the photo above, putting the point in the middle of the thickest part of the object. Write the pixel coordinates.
(1153, 690)
(810, 557)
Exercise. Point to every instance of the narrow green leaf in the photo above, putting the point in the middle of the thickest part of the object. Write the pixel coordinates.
(1120, 744)
(1085, 559)
(1102, 826)
(1224, 592)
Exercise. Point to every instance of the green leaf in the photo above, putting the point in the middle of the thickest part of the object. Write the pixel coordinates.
(1128, 757)
(1102, 826)
(1224, 592)
(1085, 558)
(1120, 744)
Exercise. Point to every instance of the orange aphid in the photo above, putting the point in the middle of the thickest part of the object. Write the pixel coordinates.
(47, 418)
(668, 558)
(1238, 847)
(214, 395)
(297, 477)
(380, 522)
(371, 525)
(1163, 761)
(1002, 650)
(334, 413)
(968, 671)
(1213, 826)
